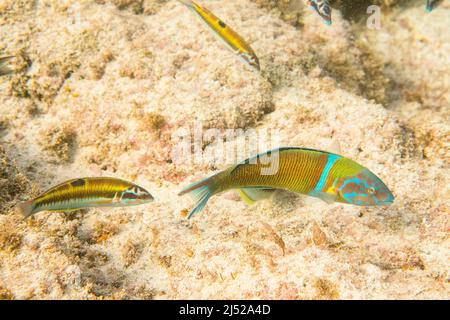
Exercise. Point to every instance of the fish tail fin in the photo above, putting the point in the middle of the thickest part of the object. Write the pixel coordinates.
(187, 3)
(4, 68)
(25, 208)
(200, 191)
(430, 5)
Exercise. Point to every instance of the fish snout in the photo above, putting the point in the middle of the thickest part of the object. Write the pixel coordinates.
(145, 196)
(382, 195)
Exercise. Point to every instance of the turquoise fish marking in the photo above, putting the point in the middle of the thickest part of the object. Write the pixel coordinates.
(323, 9)
(323, 177)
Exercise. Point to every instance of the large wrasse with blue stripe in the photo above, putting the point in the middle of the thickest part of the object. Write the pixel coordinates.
(85, 193)
(316, 173)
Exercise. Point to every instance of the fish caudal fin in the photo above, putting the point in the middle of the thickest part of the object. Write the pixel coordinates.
(250, 195)
(4, 69)
(25, 208)
(200, 191)
(187, 3)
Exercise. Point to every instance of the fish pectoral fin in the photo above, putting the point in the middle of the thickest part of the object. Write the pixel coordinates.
(327, 197)
(250, 195)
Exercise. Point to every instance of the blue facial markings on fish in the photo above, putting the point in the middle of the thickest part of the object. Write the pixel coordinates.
(131, 195)
(323, 9)
(351, 195)
(367, 186)
(126, 200)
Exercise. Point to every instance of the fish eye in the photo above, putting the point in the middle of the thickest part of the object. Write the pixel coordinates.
(370, 190)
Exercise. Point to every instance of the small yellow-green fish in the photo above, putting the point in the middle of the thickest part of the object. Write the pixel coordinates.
(87, 192)
(224, 33)
(316, 173)
(4, 68)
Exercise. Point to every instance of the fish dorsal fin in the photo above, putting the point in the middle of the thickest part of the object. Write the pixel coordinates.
(250, 195)
(187, 3)
(335, 146)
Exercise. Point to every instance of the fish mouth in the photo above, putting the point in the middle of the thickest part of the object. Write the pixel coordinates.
(388, 201)
(148, 197)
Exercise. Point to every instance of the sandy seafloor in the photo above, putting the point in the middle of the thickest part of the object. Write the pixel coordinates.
(100, 87)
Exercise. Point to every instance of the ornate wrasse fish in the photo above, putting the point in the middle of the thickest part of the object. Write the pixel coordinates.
(4, 69)
(224, 33)
(316, 173)
(322, 8)
(87, 192)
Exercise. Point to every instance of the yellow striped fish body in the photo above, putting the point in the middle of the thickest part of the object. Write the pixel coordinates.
(231, 39)
(87, 192)
(325, 175)
(4, 69)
